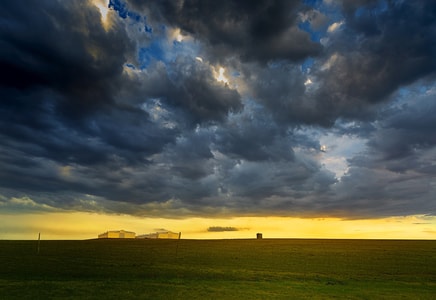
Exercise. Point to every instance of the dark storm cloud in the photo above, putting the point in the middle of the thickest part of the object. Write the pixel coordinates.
(252, 183)
(59, 64)
(281, 90)
(60, 68)
(367, 65)
(381, 47)
(253, 30)
(405, 138)
(62, 105)
(62, 47)
(89, 122)
(191, 87)
(254, 136)
(384, 46)
(376, 192)
(396, 173)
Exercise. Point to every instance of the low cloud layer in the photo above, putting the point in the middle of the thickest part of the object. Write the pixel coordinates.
(193, 108)
(221, 229)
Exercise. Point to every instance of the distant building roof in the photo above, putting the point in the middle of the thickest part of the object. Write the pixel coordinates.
(160, 235)
(120, 234)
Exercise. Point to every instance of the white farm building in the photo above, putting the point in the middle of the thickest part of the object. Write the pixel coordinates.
(117, 234)
(160, 235)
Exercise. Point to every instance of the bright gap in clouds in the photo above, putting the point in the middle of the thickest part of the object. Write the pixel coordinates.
(221, 77)
(335, 26)
(337, 149)
(103, 7)
(176, 35)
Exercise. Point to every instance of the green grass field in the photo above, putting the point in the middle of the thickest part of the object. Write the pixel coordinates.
(218, 269)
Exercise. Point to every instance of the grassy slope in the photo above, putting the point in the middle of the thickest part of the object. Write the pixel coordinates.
(218, 269)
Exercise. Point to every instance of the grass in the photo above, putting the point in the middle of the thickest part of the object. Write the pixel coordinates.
(218, 269)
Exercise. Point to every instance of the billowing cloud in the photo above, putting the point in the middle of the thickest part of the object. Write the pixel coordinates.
(121, 107)
(262, 31)
(378, 52)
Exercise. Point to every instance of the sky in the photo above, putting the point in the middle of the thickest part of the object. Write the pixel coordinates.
(219, 119)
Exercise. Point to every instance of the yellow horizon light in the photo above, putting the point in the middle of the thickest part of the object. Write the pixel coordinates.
(81, 225)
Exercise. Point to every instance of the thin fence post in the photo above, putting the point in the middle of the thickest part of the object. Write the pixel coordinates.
(39, 242)
(177, 246)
